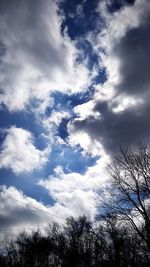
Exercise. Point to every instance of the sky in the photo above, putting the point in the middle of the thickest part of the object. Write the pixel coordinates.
(74, 87)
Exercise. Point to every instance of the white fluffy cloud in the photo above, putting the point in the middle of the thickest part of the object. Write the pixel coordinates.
(19, 153)
(38, 59)
(89, 145)
(77, 192)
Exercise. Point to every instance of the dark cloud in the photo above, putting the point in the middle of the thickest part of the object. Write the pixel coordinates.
(19, 216)
(132, 124)
(134, 52)
(19, 211)
(116, 129)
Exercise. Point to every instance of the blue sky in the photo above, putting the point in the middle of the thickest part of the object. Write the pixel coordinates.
(74, 86)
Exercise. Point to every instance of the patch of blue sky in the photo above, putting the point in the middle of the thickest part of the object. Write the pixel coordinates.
(87, 52)
(101, 77)
(92, 59)
(71, 159)
(79, 23)
(116, 5)
(67, 102)
(27, 183)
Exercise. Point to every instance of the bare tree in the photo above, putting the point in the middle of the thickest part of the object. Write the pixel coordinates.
(79, 242)
(129, 194)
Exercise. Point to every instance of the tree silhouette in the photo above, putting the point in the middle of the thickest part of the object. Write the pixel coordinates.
(129, 195)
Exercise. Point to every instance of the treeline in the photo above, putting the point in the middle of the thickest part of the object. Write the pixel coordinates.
(79, 244)
(120, 236)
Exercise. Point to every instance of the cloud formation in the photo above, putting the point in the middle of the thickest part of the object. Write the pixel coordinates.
(18, 152)
(19, 212)
(119, 110)
(134, 52)
(36, 57)
(77, 192)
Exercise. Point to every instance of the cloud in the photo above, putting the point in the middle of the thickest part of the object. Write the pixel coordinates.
(38, 58)
(51, 125)
(79, 10)
(74, 194)
(113, 129)
(77, 192)
(118, 113)
(134, 52)
(19, 153)
(19, 212)
(53, 121)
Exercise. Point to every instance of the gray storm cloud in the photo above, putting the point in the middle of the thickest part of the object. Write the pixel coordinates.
(132, 123)
(134, 53)
(116, 129)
